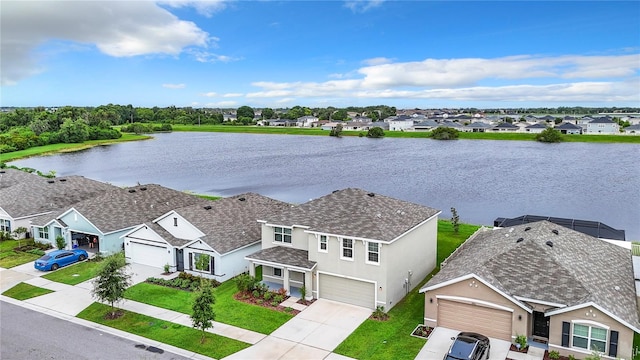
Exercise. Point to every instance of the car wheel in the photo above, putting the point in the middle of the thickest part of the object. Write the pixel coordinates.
(81, 258)
(54, 267)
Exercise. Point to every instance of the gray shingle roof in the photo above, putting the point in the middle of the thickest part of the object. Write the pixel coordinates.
(505, 125)
(231, 223)
(285, 256)
(124, 208)
(602, 120)
(577, 269)
(356, 213)
(40, 195)
(567, 126)
(10, 177)
(536, 126)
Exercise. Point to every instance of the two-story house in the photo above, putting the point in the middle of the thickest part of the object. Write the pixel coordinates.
(603, 125)
(351, 246)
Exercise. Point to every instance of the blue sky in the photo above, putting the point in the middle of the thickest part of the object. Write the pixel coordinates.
(408, 54)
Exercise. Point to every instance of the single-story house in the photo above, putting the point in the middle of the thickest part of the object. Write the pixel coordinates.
(632, 130)
(351, 246)
(535, 128)
(568, 128)
(506, 127)
(560, 287)
(477, 126)
(226, 230)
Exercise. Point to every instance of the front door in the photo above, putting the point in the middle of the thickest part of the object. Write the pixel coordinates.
(540, 325)
(179, 260)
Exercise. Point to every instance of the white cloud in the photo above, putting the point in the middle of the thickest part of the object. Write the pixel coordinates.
(203, 7)
(223, 104)
(360, 6)
(206, 56)
(116, 28)
(377, 61)
(228, 95)
(210, 94)
(174, 86)
(595, 79)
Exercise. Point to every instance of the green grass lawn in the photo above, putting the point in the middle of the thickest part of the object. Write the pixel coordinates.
(392, 339)
(24, 291)
(228, 310)
(76, 273)
(636, 345)
(166, 332)
(10, 258)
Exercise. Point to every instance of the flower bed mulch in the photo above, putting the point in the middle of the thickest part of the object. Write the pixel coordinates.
(248, 298)
(422, 331)
(306, 302)
(546, 356)
(515, 349)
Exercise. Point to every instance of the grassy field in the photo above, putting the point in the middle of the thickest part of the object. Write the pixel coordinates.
(391, 339)
(10, 258)
(24, 291)
(166, 332)
(76, 273)
(228, 310)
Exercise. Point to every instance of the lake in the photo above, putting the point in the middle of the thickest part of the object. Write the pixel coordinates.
(482, 179)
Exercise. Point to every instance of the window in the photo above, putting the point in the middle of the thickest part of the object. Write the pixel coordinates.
(202, 262)
(347, 248)
(277, 272)
(322, 245)
(373, 252)
(43, 232)
(5, 225)
(282, 235)
(589, 337)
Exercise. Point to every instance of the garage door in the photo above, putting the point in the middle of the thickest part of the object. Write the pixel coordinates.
(147, 254)
(467, 317)
(348, 291)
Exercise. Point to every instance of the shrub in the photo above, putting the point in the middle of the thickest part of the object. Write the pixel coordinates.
(274, 303)
(522, 341)
(256, 294)
(282, 292)
(267, 296)
(375, 132)
(445, 133)
(288, 309)
(554, 355)
(549, 136)
(246, 282)
(303, 292)
(259, 301)
(166, 268)
(571, 357)
(278, 299)
(36, 252)
(379, 313)
(60, 243)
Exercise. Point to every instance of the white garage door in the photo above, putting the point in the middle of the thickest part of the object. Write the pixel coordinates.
(146, 254)
(468, 317)
(349, 291)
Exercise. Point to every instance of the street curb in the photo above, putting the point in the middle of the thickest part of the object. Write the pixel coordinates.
(106, 329)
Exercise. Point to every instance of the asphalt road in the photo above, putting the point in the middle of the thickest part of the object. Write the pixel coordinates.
(26, 334)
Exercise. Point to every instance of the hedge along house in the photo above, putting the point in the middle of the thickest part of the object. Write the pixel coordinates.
(110, 215)
(555, 285)
(351, 246)
(223, 231)
(25, 197)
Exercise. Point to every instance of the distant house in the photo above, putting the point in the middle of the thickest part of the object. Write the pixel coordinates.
(505, 127)
(632, 130)
(426, 125)
(306, 121)
(568, 128)
(477, 126)
(401, 123)
(592, 228)
(535, 128)
(603, 125)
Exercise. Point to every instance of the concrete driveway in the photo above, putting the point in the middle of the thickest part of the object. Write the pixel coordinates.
(440, 341)
(312, 334)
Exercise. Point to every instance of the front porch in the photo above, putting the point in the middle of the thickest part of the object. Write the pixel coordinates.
(293, 291)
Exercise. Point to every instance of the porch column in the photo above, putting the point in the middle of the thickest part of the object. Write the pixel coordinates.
(285, 277)
(252, 268)
(308, 285)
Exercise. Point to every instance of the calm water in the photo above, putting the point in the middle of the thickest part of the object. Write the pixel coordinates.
(481, 179)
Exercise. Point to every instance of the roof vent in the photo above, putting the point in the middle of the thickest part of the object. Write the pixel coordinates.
(520, 240)
(555, 231)
(143, 188)
(50, 181)
(334, 191)
(63, 180)
(208, 207)
(242, 199)
(371, 194)
(527, 228)
(132, 190)
(549, 243)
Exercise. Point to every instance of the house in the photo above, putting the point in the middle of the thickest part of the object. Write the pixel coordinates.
(568, 128)
(477, 126)
(603, 125)
(632, 130)
(110, 215)
(351, 246)
(306, 121)
(535, 128)
(557, 286)
(426, 125)
(226, 230)
(506, 127)
(25, 196)
(592, 228)
(401, 123)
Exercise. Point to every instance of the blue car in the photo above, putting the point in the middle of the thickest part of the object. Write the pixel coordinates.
(60, 258)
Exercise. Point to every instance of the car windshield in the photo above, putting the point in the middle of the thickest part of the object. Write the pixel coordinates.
(462, 348)
(45, 258)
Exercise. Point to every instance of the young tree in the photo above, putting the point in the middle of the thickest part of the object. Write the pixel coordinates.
(336, 131)
(444, 133)
(60, 243)
(203, 315)
(19, 233)
(375, 132)
(112, 280)
(549, 135)
(455, 220)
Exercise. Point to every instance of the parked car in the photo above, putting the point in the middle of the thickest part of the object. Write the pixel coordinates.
(60, 258)
(469, 346)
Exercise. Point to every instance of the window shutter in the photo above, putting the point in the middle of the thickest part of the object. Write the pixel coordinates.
(191, 261)
(213, 262)
(613, 344)
(566, 330)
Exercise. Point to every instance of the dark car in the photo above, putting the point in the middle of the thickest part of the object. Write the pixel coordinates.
(469, 346)
(60, 258)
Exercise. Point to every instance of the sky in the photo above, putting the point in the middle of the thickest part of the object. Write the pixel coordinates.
(279, 54)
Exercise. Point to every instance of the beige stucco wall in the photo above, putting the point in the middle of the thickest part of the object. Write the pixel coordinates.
(476, 290)
(298, 238)
(625, 335)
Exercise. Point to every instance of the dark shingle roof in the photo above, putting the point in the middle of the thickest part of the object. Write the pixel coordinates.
(602, 120)
(285, 256)
(10, 177)
(479, 125)
(357, 213)
(592, 228)
(124, 208)
(231, 223)
(536, 126)
(577, 269)
(567, 126)
(505, 125)
(40, 195)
